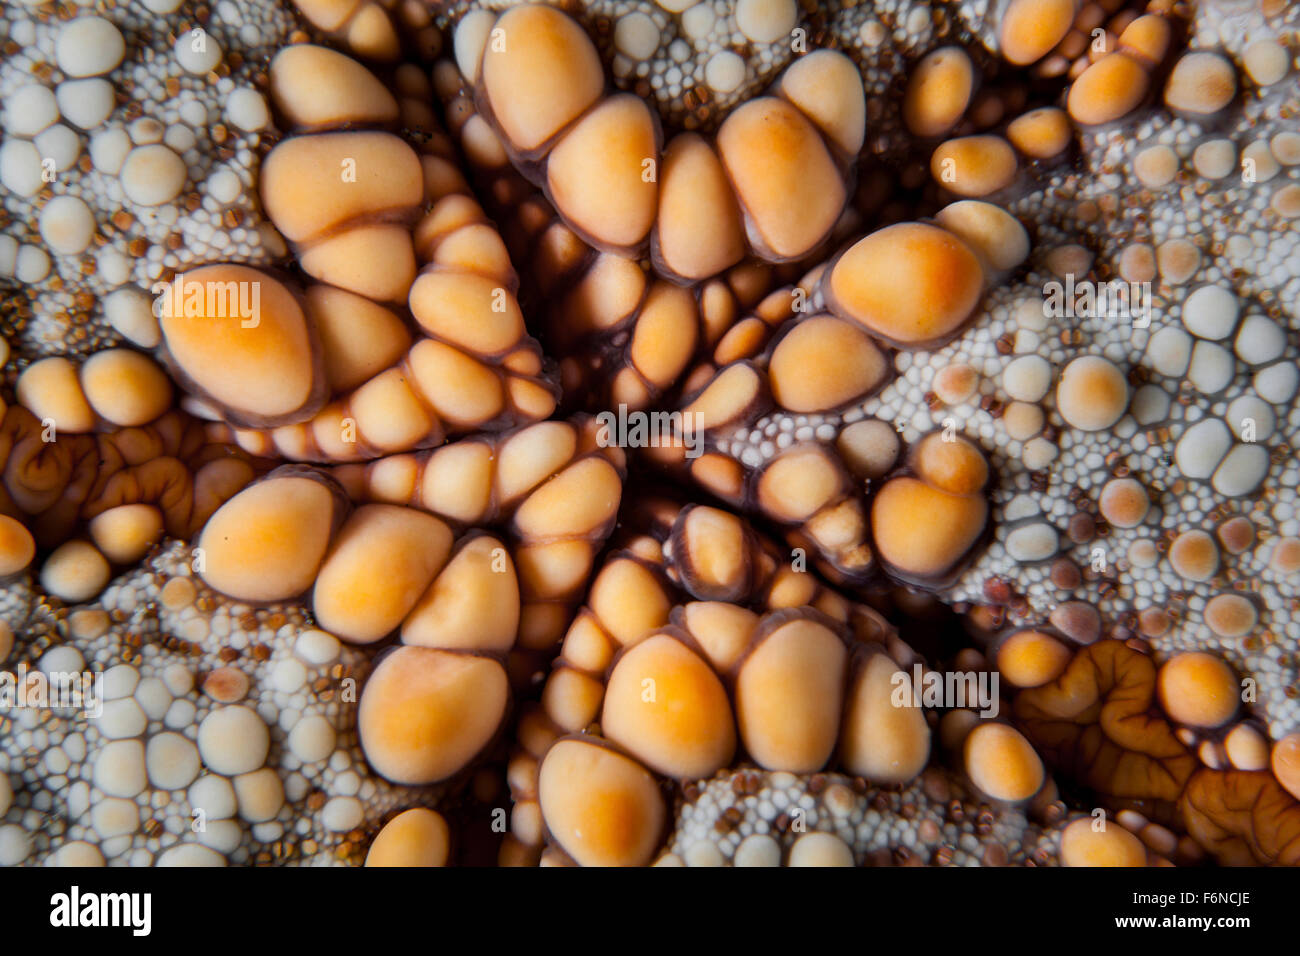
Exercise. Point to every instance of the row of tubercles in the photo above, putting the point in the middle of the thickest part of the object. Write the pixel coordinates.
(553, 488)
(622, 337)
(772, 182)
(907, 286)
(637, 633)
(436, 700)
(333, 373)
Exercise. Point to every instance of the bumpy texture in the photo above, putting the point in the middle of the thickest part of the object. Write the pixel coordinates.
(965, 331)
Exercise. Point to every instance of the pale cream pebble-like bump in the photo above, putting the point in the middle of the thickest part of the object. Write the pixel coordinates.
(1022, 420)
(1285, 147)
(67, 225)
(1092, 393)
(88, 46)
(114, 817)
(1215, 159)
(956, 384)
(153, 175)
(197, 51)
(1156, 166)
(172, 761)
(120, 768)
(312, 739)
(1211, 312)
(1266, 61)
(190, 854)
(85, 103)
(1027, 378)
(1247, 748)
(129, 310)
(15, 845)
(1201, 84)
(125, 534)
(870, 448)
(820, 849)
(246, 109)
(75, 572)
(766, 21)
(214, 795)
(30, 110)
(1231, 615)
(77, 853)
(993, 233)
(757, 849)
(636, 36)
(233, 740)
(260, 794)
(1286, 201)
(724, 72)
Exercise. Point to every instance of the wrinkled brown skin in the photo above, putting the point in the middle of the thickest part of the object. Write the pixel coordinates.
(1242, 818)
(53, 486)
(1099, 724)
